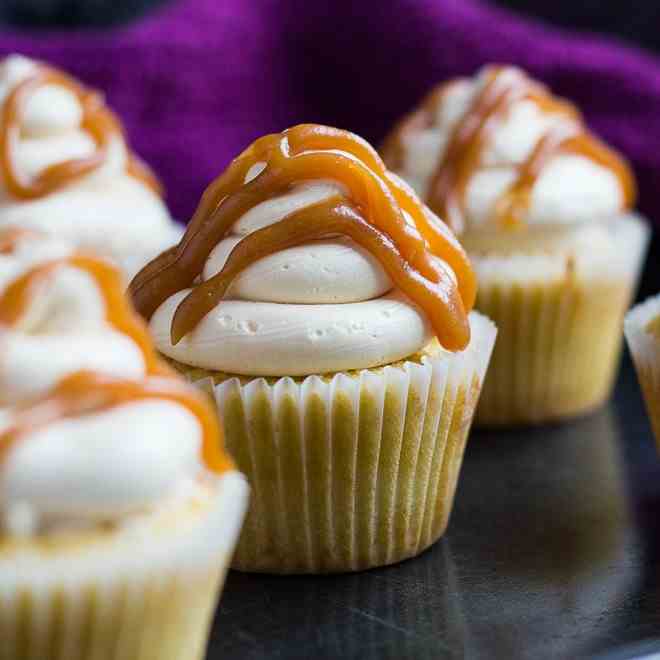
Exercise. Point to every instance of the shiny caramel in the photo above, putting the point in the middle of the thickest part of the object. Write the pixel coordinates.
(17, 297)
(98, 120)
(472, 133)
(372, 213)
(87, 393)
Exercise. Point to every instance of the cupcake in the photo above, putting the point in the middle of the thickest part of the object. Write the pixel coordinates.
(542, 206)
(67, 170)
(119, 512)
(62, 311)
(326, 310)
(642, 330)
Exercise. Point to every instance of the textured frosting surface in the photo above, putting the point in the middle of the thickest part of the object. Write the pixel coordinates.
(64, 327)
(100, 466)
(306, 255)
(571, 187)
(95, 449)
(320, 307)
(108, 210)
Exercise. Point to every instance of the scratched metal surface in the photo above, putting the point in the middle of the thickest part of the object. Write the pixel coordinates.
(552, 552)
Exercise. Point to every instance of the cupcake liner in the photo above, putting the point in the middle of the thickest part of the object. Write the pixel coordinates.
(354, 470)
(559, 322)
(645, 350)
(147, 593)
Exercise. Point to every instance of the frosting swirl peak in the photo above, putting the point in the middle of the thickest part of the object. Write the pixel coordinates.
(300, 190)
(500, 150)
(61, 311)
(66, 168)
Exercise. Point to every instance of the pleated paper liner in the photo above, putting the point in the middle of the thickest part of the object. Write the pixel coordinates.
(353, 470)
(645, 350)
(140, 594)
(559, 321)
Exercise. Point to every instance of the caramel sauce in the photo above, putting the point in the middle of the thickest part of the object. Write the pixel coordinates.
(372, 213)
(98, 120)
(17, 297)
(12, 236)
(88, 393)
(473, 132)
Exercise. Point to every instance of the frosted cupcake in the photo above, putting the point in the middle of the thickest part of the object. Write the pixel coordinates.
(642, 330)
(67, 170)
(542, 207)
(118, 515)
(327, 311)
(62, 311)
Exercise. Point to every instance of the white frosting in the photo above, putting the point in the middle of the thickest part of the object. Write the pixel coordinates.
(64, 330)
(570, 189)
(30, 250)
(101, 466)
(321, 307)
(336, 271)
(107, 211)
(270, 339)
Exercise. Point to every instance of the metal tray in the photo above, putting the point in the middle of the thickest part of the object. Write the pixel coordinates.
(552, 552)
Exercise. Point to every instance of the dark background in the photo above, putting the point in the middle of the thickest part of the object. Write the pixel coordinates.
(637, 21)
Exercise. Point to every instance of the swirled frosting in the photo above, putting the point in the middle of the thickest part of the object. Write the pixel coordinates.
(307, 256)
(66, 168)
(61, 311)
(97, 449)
(499, 151)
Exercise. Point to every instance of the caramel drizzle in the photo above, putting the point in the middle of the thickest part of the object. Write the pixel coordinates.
(372, 214)
(16, 299)
(98, 120)
(473, 132)
(12, 236)
(88, 393)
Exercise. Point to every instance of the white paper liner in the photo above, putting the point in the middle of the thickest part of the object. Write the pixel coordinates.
(645, 350)
(353, 471)
(146, 593)
(559, 322)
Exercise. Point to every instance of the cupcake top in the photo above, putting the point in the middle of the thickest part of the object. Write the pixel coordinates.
(96, 450)
(66, 167)
(61, 311)
(499, 151)
(307, 256)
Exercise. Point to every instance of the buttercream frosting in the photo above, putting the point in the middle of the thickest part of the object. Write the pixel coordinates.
(99, 450)
(580, 182)
(68, 321)
(310, 259)
(107, 210)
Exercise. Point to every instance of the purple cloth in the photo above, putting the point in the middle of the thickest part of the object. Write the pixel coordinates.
(198, 80)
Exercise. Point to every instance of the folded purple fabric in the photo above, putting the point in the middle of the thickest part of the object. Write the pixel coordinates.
(197, 81)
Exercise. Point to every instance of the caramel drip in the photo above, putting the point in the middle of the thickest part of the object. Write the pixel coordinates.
(307, 153)
(12, 236)
(473, 132)
(335, 215)
(88, 393)
(16, 299)
(98, 120)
